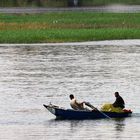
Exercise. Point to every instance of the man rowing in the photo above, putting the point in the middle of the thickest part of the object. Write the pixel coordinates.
(80, 105)
(75, 104)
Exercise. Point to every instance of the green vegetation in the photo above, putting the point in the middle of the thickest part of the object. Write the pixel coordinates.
(68, 27)
(108, 2)
(34, 3)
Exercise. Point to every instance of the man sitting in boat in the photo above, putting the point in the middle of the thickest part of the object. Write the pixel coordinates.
(117, 106)
(119, 101)
(75, 104)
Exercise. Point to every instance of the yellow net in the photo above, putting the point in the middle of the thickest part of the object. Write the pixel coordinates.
(110, 108)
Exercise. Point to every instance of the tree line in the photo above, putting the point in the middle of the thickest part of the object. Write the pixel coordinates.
(64, 3)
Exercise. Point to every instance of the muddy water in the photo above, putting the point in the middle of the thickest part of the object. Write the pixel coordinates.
(33, 75)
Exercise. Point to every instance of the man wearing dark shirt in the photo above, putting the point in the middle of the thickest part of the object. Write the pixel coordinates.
(119, 101)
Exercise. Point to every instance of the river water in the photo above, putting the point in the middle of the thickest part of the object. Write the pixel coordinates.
(31, 76)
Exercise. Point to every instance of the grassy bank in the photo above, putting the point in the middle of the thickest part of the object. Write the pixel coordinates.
(68, 27)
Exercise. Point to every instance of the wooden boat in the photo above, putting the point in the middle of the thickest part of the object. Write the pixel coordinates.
(62, 113)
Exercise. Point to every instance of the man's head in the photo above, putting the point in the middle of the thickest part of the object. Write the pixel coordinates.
(116, 94)
(71, 96)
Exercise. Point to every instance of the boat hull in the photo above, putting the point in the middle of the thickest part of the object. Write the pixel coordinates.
(62, 113)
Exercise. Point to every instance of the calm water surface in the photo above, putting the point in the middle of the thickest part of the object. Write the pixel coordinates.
(33, 75)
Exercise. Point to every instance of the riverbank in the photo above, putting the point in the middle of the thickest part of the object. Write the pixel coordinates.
(130, 42)
(68, 27)
(108, 8)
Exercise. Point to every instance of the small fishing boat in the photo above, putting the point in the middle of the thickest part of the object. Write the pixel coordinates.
(62, 113)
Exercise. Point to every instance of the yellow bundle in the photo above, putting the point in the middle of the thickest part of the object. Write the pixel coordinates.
(110, 108)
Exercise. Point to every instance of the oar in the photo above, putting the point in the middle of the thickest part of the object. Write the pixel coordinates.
(91, 106)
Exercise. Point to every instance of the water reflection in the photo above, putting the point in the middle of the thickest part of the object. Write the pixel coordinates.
(120, 124)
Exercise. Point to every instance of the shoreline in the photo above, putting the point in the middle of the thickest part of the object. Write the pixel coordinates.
(116, 8)
(129, 42)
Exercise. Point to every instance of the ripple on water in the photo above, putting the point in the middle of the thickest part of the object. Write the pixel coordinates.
(36, 75)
